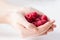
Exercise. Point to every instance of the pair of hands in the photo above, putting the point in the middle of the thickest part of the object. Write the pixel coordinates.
(18, 21)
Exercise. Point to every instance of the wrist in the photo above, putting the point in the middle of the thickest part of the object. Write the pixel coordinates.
(3, 18)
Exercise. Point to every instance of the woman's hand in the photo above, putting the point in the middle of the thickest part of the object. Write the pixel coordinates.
(44, 29)
(18, 21)
(22, 19)
(29, 29)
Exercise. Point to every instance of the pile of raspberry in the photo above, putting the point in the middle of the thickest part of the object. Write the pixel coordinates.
(36, 19)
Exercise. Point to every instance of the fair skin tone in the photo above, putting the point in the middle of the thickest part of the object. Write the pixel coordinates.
(18, 21)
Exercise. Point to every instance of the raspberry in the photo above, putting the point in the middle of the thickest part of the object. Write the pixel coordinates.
(37, 19)
(31, 16)
(28, 17)
(44, 21)
(34, 15)
(44, 17)
(39, 23)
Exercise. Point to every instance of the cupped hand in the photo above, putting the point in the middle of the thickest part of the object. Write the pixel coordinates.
(42, 30)
(18, 21)
(22, 19)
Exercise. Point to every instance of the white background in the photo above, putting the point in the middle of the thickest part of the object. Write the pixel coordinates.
(49, 7)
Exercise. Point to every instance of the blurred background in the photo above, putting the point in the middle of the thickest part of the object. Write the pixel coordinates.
(50, 7)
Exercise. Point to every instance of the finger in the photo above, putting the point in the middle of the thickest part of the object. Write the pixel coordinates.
(46, 26)
(45, 33)
(53, 26)
(51, 29)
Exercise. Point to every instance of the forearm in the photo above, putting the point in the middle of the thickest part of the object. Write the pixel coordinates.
(3, 18)
(5, 9)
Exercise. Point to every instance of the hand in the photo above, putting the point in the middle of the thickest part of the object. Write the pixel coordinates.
(18, 18)
(41, 30)
(22, 19)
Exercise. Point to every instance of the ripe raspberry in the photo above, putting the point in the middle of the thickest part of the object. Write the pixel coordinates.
(44, 17)
(31, 16)
(39, 23)
(34, 15)
(28, 17)
(38, 18)
(44, 21)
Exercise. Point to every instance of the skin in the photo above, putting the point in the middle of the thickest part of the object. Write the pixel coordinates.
(17, 20)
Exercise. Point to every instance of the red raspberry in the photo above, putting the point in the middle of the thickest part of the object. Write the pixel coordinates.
(39, 23)
(28, 17)
(31, 16)
(37, 19)
(44, 17)
(34, 15)
(44, 21)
